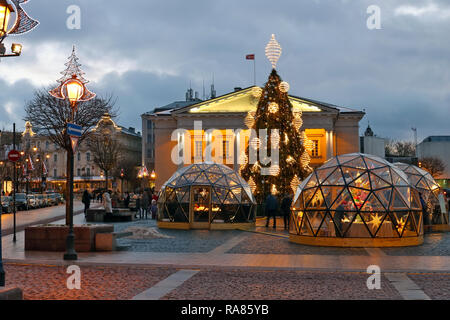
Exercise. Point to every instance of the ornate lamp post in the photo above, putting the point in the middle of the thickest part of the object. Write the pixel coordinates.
(121, 180)
(72, 87)
(22, 24)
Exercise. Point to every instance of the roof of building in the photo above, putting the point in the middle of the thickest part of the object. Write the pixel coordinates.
(241, 101)
(436, 139)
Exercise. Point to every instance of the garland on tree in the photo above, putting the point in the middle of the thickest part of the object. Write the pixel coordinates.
(275, 111)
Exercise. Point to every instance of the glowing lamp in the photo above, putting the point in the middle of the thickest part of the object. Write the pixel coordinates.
(16, 48)
(74, 88)
(5, 12)
(153, 175)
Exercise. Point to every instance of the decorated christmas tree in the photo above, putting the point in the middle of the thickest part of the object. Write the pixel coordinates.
(284, 133)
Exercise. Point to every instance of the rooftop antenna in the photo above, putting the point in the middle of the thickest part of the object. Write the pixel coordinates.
(203, 97)
(213, 91)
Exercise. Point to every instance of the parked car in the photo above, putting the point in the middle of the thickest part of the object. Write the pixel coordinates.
(48, 201)
(21, 201)
(32, 202)
(60, 198)
(52, 199)
(6, 204)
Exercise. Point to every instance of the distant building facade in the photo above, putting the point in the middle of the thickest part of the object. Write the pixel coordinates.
(87, 175)
(371, 144)
(332, 129)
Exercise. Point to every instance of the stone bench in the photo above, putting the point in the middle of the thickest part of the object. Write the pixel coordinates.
(107, 241)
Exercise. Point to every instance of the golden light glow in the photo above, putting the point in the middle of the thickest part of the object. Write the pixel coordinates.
(250, 119)
(74, 90)
(273, 107)
(5, 12)
(284, 86)
(273, 51)
(295, 183)
(274, 170)
(298, 121)
(273, 190)
(256, 92)
(153, 174)
(16, 48)
(34, 149)
(252, 184)
(376, 221)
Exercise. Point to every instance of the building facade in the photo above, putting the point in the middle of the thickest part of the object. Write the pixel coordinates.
(87, 175)
(332, 129)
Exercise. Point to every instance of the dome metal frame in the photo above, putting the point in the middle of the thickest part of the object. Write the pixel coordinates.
(356, 200)
(424, 182)
(231, 203)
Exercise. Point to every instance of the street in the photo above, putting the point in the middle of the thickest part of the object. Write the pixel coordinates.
(35, 216)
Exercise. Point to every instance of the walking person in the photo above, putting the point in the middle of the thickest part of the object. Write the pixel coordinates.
(138, 205)
(145, 203)
(271, 209)
(286, 209)
(126, 200)
(107, 202)
(154, 209)
(86, 199)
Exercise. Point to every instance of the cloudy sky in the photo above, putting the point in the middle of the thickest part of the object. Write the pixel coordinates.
(146, 53)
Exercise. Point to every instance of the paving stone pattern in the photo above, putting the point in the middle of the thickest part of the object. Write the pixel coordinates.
(280, 285)
(436, 286)
(40, 282)
(436, 244)
(266, 244)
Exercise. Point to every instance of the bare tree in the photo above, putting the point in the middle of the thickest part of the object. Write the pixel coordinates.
(50, 116)
(130, 172)
(433, 165)
(105, 151)
(400, 148)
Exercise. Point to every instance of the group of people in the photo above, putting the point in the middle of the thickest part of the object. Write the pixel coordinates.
(272, 208)
(145, 202)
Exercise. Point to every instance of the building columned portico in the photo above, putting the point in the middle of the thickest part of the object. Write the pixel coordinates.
(193, 129)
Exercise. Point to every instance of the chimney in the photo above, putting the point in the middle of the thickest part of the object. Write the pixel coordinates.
(131, 129)
(237, 89)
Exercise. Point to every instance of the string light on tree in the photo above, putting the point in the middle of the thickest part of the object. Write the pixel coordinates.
(295, 183)
(256, 92)
(298, 122)
(273, 107)
(284, 87)
(252, 184)
(275, 112)
(250, 119)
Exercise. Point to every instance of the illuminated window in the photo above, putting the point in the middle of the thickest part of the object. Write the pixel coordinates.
(226, 149)
(315, 149)
(198, 149)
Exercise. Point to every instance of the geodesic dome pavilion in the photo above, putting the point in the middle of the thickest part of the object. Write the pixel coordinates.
(429, 189)
(356, 200)
(206, 196)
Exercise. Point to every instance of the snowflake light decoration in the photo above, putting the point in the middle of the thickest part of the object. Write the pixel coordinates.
(273, 51)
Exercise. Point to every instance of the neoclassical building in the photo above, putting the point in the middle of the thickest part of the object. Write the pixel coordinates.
(332, 129)
(86, 172)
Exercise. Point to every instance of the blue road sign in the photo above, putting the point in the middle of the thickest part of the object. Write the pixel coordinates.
(74, 130)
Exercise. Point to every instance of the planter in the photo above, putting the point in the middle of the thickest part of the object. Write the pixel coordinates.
(53, 237)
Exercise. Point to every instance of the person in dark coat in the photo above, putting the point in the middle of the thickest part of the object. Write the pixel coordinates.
(86, 199)
(286, 209)
(426, 217)
(271, 209)
(126, 200)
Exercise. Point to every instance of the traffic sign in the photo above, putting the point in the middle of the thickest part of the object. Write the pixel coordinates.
(74, 130)
(14, 155)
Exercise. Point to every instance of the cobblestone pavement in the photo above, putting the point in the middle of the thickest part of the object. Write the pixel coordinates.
(40, 282)
(435, 244)
(266, 244)
(435, 285)
(280, 285)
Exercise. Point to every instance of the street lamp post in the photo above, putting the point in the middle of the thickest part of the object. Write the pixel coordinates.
(72, 87)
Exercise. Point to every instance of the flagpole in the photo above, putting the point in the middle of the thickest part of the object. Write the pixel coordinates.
(254, 71)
